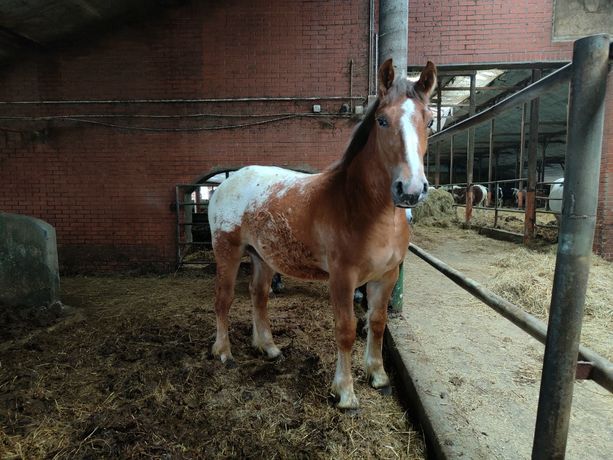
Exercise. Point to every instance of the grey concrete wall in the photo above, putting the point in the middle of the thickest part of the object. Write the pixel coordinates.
(29, 274)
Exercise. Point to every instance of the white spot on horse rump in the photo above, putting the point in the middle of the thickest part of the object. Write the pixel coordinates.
(246, 190)
(411, 140)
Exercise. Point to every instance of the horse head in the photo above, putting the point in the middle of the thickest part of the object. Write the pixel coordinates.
(402, 118)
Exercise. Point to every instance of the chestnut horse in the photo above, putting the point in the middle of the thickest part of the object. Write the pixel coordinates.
(343, 225)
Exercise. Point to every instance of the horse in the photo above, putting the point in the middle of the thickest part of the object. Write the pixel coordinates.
(479, 194)
(554, 200)
(345, 225)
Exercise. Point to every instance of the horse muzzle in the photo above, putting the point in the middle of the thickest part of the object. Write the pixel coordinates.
(406, 195)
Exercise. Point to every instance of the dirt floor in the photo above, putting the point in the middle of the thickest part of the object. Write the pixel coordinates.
(124, 370)
(479, 371)
(124, 373)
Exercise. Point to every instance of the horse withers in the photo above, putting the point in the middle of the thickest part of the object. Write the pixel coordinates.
(345, 225)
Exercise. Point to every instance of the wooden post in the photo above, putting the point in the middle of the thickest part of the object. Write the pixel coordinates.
(530, 214)
(470, 156)
(489, 165)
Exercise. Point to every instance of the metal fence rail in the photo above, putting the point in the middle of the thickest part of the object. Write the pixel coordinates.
(602, 369)
(587, 74)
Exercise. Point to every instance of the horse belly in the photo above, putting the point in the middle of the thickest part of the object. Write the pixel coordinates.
(289, 257)
(282, 238)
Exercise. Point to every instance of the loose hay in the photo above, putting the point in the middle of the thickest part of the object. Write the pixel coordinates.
(525, 278)
(436, 209)
(131, 379)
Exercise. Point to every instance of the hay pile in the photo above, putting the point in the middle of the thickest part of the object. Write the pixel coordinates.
(436, 210)
(130, 377)
(525, 278)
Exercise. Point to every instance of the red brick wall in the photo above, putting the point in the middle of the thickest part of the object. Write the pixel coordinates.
(463, 31)
(108, 191)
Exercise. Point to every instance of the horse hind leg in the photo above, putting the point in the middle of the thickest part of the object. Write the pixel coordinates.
(228, 257)
(259, 288)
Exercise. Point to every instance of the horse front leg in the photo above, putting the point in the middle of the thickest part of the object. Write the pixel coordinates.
(341, 293)
(378, 294)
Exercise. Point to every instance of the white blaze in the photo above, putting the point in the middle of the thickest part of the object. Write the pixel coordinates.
(411, 141)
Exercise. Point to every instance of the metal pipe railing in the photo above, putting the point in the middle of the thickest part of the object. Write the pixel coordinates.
(536, 89)
(588, 76)
(602, 372)
(590, 68)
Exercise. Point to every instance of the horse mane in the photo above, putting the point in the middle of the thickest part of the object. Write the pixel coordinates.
(362, 130)
(359, 137)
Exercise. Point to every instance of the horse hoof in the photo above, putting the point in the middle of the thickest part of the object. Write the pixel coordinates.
(230, 363)
(385, 391)
(275, 359)
(351, 412)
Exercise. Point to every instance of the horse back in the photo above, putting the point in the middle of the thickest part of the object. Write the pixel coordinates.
(270, 210)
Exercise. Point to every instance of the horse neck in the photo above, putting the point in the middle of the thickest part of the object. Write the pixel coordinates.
(368, 181)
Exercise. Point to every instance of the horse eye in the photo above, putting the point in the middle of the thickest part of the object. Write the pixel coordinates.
(430, 123)
(382, 122)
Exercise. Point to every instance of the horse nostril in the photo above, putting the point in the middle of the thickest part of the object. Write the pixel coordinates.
(425, 189)
(399, 188)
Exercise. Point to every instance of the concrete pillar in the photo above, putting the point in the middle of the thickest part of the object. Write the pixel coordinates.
(393, 43)
(394, 33)
(29, 273)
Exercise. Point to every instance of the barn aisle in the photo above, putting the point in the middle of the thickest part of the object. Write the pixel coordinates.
(476, 373)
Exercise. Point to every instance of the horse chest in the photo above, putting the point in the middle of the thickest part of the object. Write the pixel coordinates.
(385, 258)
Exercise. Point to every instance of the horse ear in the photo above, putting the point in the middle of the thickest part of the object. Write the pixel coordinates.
(427, 81)
(386, 77)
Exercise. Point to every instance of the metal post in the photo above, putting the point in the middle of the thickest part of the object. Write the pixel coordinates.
(522, 146)
(437, 165)
(470, 156)
(530, 214)
(495, 204)
(437, 154)
(178, 224)
(398, 291)
(451, 160)
(583, 152)
(489, 164)
(188, 212)
(393, 42)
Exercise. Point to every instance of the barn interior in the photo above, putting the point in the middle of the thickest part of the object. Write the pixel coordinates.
(32, 28)
(124, 370)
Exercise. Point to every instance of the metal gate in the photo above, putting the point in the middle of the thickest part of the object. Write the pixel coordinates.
(193, 233)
